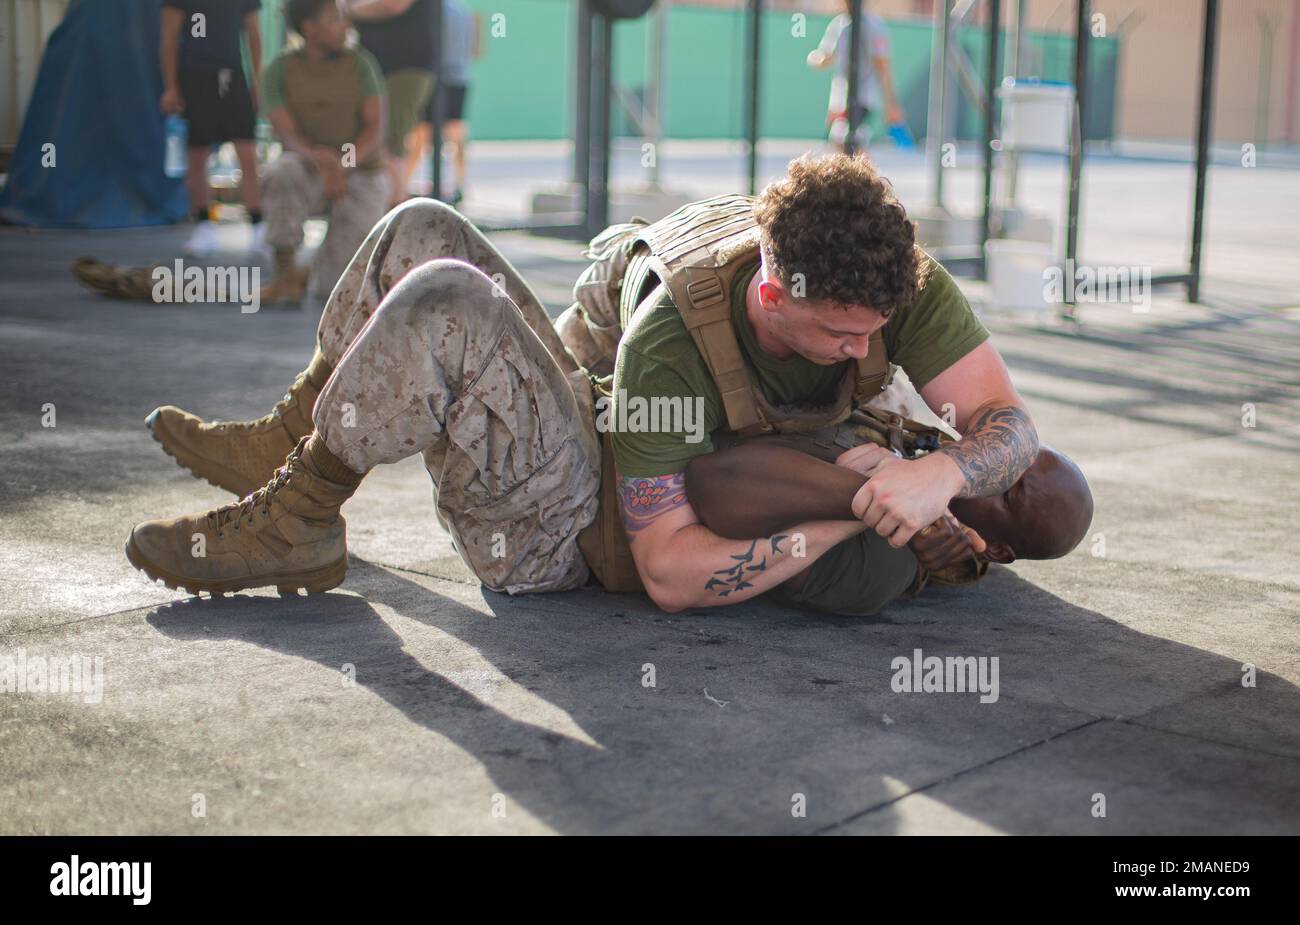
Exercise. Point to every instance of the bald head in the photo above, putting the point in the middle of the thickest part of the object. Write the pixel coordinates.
(1044, 515)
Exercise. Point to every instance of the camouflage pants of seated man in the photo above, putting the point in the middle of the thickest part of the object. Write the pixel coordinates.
(432, 354)
(293, 191)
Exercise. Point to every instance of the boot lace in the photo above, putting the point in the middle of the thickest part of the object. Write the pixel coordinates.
(235, 512)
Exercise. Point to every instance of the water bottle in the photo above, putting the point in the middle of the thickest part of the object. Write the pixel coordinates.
(174, 150)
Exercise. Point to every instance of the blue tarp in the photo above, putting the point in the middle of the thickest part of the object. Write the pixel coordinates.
(96, 101)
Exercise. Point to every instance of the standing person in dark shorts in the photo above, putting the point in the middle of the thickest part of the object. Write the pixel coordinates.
(399, 33)
(203, 78)
(462, 44)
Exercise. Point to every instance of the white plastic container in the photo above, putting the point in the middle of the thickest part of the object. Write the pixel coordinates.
(1016, 275)
(1036, 115)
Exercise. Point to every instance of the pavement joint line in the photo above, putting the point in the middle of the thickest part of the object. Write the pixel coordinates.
(862, 813)
(1136, 721)
(86, 619)
(412, 571)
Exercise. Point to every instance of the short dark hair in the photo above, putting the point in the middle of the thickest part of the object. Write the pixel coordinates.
(836, 222)
(297, 12)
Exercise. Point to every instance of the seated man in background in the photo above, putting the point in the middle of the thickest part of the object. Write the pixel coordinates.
(326, 104)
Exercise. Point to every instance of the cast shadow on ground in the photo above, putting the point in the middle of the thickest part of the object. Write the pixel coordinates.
(806, 694)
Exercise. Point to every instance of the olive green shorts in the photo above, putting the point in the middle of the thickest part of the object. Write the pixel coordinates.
(408, 95)
(856, 578)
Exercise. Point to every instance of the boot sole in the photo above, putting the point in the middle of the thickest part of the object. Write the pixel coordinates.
(313, 581)
(198, 466)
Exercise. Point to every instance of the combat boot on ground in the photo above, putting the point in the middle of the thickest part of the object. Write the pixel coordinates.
(240, 456)
(290, 283)
(288, 534)
(134, 283)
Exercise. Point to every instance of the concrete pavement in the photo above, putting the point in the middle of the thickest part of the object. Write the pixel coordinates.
(409, 700)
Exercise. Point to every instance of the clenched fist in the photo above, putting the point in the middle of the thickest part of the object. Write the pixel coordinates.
(946, 542)
(901, 496)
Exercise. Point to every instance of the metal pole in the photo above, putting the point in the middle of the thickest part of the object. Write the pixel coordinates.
(1265, 80)
(654, 97)
(1012, 158)
(855, 68)
(934, 118)
(602, 92)
(1076, 140)
(582, 98)
(1203, 144)
(435, 139)
(1018, 38)
(751, 83)
(990, 96)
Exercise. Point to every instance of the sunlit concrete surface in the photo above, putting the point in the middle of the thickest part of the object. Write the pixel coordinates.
(1121, 666)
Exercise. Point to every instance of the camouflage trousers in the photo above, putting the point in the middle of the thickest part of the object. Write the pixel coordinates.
(292, 192)
(428, 333)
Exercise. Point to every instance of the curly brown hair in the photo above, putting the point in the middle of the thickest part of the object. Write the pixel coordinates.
(836, 222)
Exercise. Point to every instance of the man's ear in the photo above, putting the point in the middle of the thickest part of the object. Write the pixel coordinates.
(1001, 553)
(770, 294)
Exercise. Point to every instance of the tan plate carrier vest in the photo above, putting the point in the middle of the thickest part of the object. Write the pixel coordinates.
(696, 252)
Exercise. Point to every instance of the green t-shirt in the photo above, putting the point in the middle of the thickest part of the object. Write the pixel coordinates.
(658, 359)
(324, 96)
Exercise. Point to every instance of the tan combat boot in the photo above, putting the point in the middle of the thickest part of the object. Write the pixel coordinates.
(240, 456)
(290, 281)
(289, 534)
(134, 283)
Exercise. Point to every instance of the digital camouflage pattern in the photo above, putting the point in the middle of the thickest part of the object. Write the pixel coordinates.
(426, 330)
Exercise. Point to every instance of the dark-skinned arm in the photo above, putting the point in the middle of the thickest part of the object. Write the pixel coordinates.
(758, 489)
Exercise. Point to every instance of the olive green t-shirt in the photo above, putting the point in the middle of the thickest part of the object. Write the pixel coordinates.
(657, 358)
(324, 96)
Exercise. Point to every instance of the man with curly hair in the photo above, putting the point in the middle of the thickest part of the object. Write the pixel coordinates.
(838, 266)
(761, 314)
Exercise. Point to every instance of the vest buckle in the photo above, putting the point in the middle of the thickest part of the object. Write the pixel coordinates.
(705, 292)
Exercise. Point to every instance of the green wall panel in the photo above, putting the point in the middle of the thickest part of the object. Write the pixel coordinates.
(522, 86)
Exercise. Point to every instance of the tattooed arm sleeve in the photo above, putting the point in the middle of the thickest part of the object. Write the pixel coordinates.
(996, 449)
(645, 499)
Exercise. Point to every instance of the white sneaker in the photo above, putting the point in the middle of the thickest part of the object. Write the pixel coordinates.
(203, 240)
